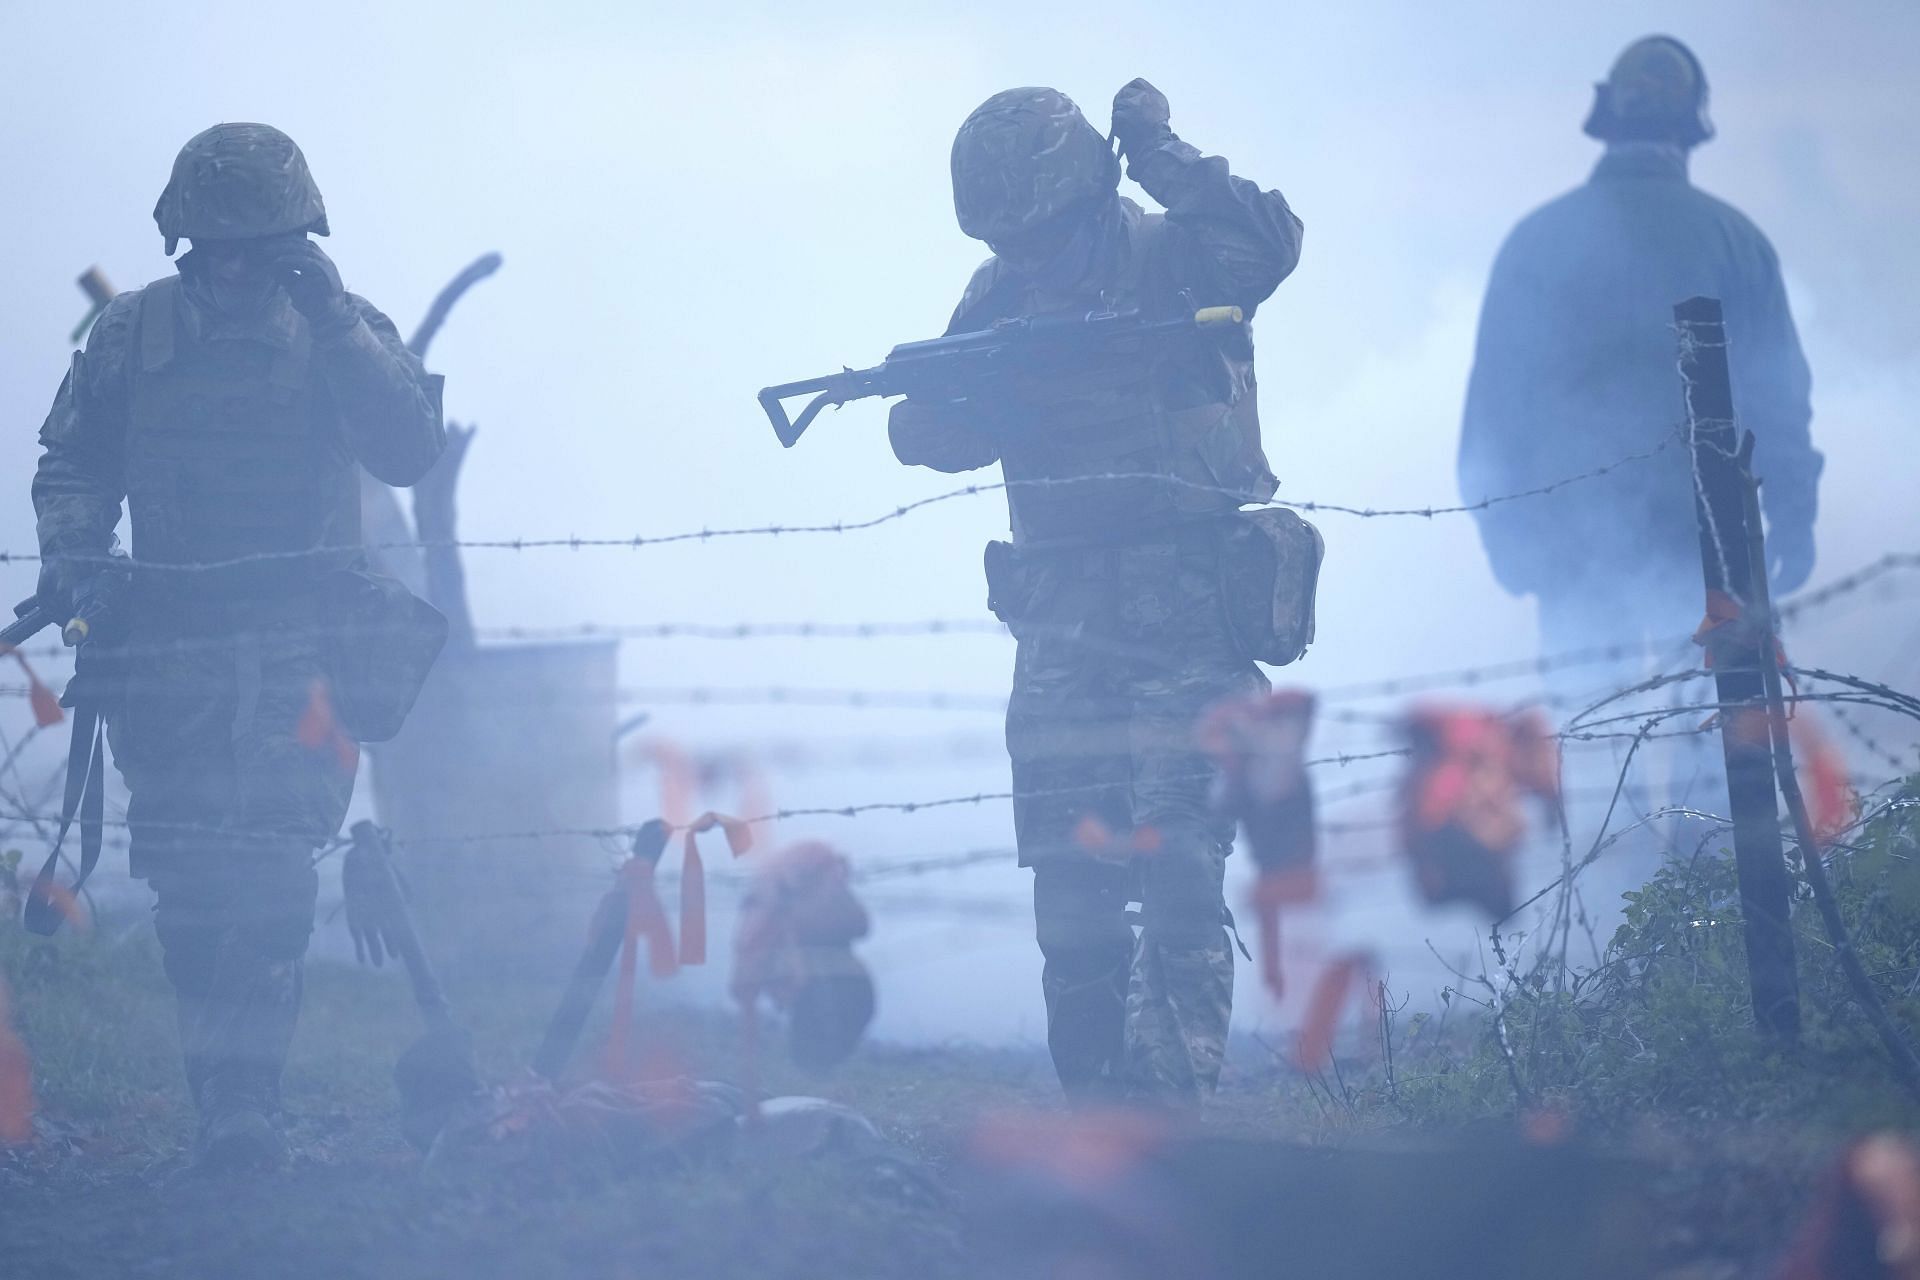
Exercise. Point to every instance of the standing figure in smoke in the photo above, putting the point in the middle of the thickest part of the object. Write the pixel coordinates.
(226, 406)
(1122, 474)
(1575, 368)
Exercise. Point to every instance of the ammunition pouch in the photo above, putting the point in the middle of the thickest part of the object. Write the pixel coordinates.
(1269, 574)
(1019, 586)
(381, 642)
(1001, 581)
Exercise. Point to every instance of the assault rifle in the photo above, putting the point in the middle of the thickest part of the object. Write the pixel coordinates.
(951, 367)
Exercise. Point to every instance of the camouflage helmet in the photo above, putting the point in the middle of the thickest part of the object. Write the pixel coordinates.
(1022, 158)
(1656, 92)
(239, 182)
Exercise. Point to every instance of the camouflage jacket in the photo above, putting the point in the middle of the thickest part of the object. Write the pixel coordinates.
(1222, 239)
(387, 409)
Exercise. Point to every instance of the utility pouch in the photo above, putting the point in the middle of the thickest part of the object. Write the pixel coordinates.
(381, 641)
(1269, 561)
(1005, 593)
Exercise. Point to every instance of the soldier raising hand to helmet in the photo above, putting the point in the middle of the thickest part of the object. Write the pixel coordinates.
(226, 407)
(1126, 474)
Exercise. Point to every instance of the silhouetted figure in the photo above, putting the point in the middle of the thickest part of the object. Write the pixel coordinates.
(1575, 367)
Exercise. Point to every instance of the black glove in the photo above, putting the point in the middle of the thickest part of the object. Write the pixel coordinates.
(1789, 558)
(59, 578)
(373, 912)
(1140, 116)
(314, 284)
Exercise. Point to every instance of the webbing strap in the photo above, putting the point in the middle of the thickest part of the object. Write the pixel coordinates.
(86, 796)
(156, 324)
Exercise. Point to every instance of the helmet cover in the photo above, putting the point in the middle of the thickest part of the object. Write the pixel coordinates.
(1024, 157)
(239, 182)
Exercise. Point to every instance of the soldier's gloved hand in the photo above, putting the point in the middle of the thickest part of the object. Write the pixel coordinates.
(1140, 117)
(59, 576)
(373, 917)
(1789, 558)
(314, 284)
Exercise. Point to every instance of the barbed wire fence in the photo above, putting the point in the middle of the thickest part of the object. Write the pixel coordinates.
(26, 805)
(634, 542)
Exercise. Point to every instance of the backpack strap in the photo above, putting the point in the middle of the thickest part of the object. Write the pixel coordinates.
(157, 321)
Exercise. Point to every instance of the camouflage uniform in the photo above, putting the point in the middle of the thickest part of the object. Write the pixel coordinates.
(1112, 586)
(228, 436)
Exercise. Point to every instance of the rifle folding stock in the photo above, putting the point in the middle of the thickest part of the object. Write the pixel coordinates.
(834, 389)
(960, 363)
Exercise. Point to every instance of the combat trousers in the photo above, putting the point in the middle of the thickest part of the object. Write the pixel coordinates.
(236, 776)
(1120, 651)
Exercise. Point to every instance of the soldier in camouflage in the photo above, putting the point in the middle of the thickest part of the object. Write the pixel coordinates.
(1120, 476)
(227, 407)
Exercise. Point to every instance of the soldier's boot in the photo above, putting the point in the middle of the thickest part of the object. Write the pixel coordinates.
(233, 927)
(239, 1135)
(235, 1037)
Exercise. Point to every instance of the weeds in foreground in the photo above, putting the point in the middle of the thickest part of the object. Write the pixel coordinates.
(1661, 1027)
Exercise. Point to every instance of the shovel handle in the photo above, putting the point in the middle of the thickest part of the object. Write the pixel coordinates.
(402, 935)
(427, 993)
(607, 931)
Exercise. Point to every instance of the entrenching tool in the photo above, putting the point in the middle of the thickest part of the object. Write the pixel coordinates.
(605, 935)
(437, 1074)
(628, 913)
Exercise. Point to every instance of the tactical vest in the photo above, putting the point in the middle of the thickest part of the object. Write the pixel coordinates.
(233, 453)
(1181, 425)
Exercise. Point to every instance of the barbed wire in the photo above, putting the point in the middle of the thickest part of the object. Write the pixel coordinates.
(752, 630)
(1340, 759)
(637, 541)
(779, 695)
(1848, 584)
(1464, 677)
(1858, 733)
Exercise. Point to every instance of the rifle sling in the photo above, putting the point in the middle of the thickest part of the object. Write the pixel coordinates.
(86, 798)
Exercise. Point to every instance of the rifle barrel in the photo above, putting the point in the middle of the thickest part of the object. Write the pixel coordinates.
(26, 626)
